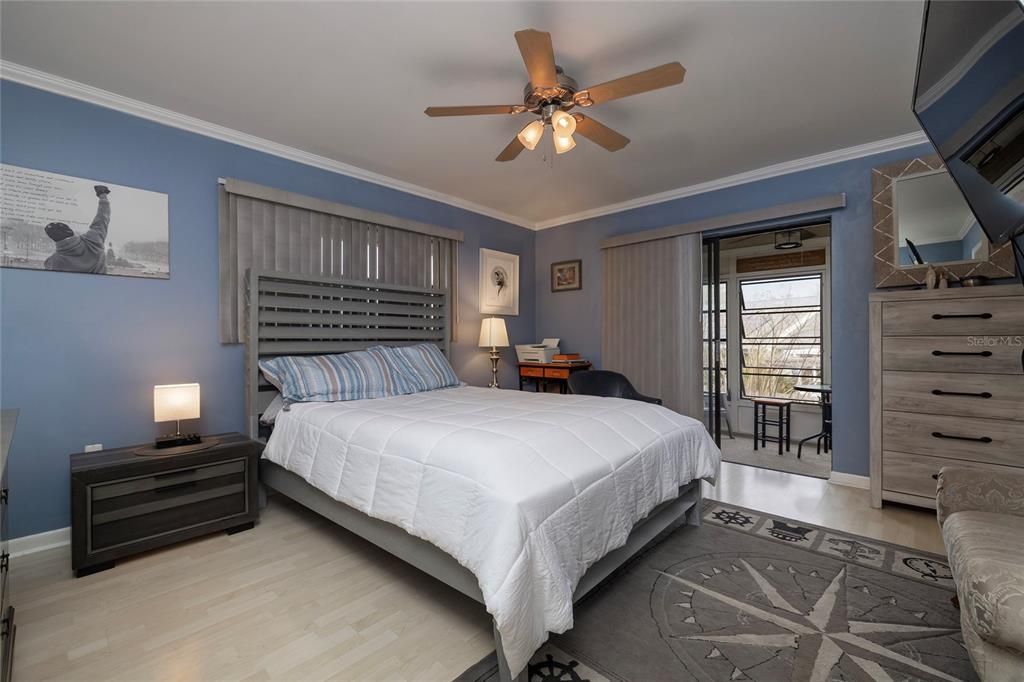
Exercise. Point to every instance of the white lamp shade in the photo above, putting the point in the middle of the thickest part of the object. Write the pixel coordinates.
(493, 333)
(563, 143)
(172, 402)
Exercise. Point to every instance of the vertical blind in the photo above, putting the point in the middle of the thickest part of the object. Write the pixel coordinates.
(283, 232)
(652, 319)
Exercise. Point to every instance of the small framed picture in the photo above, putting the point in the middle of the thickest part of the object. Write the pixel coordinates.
(567, 275)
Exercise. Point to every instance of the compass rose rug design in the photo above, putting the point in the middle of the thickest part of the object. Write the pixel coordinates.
(753, 596)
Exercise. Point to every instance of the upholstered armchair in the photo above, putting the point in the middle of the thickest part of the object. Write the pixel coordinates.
(982, 517)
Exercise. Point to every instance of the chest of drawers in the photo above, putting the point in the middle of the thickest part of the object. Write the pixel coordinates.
(947, 387)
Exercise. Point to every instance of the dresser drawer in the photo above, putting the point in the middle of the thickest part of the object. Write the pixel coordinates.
(555, 373)
(167, 480)
(993, 441)
(531, 371)
(991, 396)
(954, 317)
(951, 354)
(913, 474)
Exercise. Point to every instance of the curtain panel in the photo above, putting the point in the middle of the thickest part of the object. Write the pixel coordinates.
(284, 232)
(652, 319)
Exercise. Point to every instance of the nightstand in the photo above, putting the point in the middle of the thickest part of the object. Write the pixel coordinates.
(124, 503)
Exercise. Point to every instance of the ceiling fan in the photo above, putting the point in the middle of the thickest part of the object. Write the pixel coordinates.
(551, 95)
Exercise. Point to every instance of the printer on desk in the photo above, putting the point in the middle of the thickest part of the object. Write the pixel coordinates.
(544, 351)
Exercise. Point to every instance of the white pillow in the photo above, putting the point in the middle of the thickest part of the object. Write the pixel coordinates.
(275, 406)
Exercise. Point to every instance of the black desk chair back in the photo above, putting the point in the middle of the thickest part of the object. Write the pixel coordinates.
(601, 382)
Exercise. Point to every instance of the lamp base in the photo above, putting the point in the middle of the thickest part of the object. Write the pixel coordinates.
(494, 368)
(195, 446)
(177, 440)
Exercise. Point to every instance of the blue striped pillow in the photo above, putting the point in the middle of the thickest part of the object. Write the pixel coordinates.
(327, 378)
(423, 367)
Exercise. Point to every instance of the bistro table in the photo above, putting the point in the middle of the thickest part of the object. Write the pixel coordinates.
(824, 392)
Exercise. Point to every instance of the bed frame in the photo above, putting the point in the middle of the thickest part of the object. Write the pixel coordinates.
(300, 315)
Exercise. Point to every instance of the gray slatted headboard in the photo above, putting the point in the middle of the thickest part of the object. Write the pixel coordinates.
(304, 315)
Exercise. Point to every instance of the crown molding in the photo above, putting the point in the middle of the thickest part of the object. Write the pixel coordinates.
(87, 93)
(784, 168)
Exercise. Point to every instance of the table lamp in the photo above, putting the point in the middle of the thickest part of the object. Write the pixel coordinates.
(494, 335)
(174, 402)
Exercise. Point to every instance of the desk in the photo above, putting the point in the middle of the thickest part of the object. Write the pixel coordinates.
(825, 391)
(542, 373)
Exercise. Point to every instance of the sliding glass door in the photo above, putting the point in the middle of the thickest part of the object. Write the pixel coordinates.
(713, 322)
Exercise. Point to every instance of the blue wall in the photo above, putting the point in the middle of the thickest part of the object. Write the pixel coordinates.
(81, 353)
(575, 316)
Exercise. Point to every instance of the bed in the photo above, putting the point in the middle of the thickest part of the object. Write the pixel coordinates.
(522, 501)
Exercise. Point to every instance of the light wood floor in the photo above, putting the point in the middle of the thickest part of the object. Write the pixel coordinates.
(300, 599)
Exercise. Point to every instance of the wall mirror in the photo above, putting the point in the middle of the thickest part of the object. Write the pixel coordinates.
(921, 219)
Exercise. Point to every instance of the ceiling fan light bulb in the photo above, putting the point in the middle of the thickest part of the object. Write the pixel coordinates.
(531, 134)
(563, 123)
(563, 143)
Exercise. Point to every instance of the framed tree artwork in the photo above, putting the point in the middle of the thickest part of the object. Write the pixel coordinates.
(567, 275)
(499, 283)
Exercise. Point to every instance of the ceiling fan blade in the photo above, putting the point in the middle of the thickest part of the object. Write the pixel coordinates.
(539, 57)
(645, 81)
(511, 151)
(599, 133)
(475, 110)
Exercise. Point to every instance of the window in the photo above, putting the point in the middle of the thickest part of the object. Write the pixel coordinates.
(780, 327)
(723, 289)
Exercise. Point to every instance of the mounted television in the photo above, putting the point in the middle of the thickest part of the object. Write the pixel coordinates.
(969, 99)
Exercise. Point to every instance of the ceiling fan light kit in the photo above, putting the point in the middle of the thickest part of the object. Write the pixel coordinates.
(531, 134)
(563, 143)
(551, 95)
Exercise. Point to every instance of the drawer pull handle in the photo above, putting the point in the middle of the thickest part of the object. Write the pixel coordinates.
(983, 394)
(935, 477)
(176, 486)
(979, 316)
(979, 353)
(983, 439)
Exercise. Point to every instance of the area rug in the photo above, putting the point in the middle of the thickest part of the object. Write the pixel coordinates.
(753, 596)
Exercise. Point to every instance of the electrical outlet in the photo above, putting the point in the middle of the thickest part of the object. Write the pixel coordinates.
(94, 447)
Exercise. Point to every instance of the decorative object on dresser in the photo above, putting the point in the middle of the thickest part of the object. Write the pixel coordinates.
(499, 283)
(919, 215)
(123, 503)
(544, 373)
(8, 630)
(567, 275)
(494, 335)
(947, 387)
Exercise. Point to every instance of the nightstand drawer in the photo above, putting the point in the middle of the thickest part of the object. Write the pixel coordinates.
(167, 481)
(531, 371)
(556, 373)
(189, 511)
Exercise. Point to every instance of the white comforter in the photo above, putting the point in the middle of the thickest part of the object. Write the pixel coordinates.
(525, 490)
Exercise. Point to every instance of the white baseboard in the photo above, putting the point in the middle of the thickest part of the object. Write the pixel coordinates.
(30, 544)
(852, 480)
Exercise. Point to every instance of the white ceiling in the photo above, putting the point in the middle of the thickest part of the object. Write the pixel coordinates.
(766, 82)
